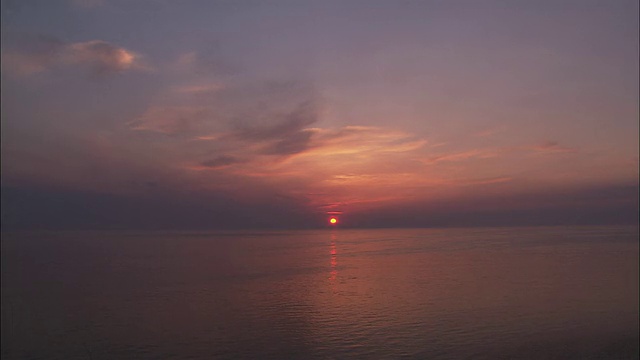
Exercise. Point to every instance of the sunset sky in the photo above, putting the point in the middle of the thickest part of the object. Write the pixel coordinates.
(166, 114)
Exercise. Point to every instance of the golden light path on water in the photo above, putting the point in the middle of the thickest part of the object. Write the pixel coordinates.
(334, 259)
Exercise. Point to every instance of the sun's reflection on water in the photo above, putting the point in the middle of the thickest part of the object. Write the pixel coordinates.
(334, 259)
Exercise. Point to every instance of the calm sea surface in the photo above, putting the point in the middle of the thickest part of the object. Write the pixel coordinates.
(500, 293)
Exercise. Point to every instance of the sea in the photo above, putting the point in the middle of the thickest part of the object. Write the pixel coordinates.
(473, 293)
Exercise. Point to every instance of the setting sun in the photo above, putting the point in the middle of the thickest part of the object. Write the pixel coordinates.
(333, 221)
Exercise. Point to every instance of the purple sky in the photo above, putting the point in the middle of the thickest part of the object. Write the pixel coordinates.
(209, 114)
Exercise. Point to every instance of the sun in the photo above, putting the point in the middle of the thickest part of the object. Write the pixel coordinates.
(333, 221)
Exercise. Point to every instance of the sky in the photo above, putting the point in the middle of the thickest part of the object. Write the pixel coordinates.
(164, 114)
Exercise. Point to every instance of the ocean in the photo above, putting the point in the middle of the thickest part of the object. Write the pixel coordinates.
(475, 293)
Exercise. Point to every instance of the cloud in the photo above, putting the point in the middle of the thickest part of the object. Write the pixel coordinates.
(294, 147)
(550, 147)
(547, 147)
(596, 205)
(220, 161)
(198, 89)
(30, 208)
(292, 144)
(27, 54)
(203, 64)
(287, 135)
(101, 56)
(493, 180)
(289, 139)
(231, 112)
(364, 140)
(169, 120)
(464, 155)
(290, 124)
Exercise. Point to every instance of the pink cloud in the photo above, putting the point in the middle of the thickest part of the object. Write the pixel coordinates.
(102, 56)
(35, 54)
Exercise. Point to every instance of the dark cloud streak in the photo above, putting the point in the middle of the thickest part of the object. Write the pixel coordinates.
(598, 205)
(220, 161)
(34, 209)
(31, 208)
(292, 144)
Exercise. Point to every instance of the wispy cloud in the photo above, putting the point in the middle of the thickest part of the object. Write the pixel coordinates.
(485, 181)
(102, 57)
(552, 147)
(364, 140)
(546, 148)
(463, 155)
(198, 88)
(31, 54)
(288, 127)
(220, 161)
(170, 120)
(295, 143)
(203, 64)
